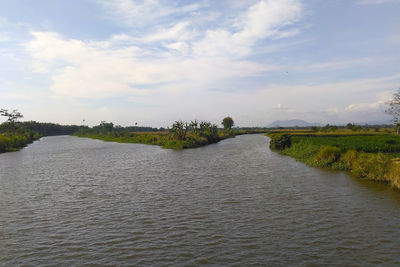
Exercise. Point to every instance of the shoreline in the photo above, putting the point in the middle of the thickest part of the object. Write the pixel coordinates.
(318, 151)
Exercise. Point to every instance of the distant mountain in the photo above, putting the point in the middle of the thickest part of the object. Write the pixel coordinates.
(292, 123)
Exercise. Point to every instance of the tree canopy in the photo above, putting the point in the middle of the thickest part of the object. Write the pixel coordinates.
(12, 118)
(228, 123)
(394, 108)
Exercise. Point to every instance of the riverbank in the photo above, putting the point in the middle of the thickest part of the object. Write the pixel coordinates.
(366, 155)
(163, 139)
(14, 142)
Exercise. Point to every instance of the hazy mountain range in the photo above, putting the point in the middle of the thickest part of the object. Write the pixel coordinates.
(292, 123)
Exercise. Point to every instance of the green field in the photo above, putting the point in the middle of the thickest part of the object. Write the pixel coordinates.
(385, 143)
(369, 156)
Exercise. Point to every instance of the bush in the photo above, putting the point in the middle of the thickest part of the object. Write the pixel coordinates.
(327, 155)
(13, 142)
(372, 166)
(394, 175)
(280, 141)
(349, 157)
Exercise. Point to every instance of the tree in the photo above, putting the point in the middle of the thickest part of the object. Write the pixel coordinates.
(179, 130)
(228, 123)
(394, 109)
(349, 126)
(13, 118)
(194, 125)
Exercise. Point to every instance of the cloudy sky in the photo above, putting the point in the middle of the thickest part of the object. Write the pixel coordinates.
(156, 61)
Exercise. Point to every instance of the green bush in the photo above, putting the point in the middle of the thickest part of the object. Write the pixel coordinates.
(349, 157)
(371, 166)
(327, 155)
(13, 142)
(280, 141)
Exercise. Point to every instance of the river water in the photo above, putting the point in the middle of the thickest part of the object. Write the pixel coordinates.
(68, 201)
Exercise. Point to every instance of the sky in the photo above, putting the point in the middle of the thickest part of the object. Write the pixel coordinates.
(154, 62)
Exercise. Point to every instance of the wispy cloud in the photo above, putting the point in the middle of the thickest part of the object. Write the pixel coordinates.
(135, 13)
(100, 69)
(167, 60)
(376, 2)
(178, 55)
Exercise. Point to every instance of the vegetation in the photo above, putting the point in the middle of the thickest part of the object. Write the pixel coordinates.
(280, 141)
(14, 137)
(394, 109)
(181, 134)
(12, 119)
(15, 134)
(228, 123)
(14, 142)
(365, 154)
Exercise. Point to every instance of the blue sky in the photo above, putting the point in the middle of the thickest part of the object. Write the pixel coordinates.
(154, 62)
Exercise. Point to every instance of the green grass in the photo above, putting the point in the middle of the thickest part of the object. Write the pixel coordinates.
(163, 139)
(374, 157)
(363, 143)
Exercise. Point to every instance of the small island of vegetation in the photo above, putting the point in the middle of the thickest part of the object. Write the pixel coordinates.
(181, 135)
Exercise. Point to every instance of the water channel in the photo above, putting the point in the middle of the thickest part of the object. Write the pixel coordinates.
(69, 201)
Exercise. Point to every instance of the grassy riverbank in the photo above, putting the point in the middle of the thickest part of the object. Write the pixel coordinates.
(14, 142)
(368, 155)
(164, 139)
(16, 135)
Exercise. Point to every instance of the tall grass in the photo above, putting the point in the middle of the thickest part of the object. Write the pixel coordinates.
(373, 157)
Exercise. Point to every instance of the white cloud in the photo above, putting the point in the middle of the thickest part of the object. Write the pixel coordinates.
(265, 18)
(376, 2)
(362, 107)
(175, 58)
(177, 32)
(193, 33)
(100, 69)
(140, 13)
(4, 37)
(261, 20)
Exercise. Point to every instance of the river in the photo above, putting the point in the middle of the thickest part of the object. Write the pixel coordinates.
(68, 201)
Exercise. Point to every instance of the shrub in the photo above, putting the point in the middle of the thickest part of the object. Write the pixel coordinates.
(327, 155)
(349, 157)
(280, 141)
(371, 166)
(393, 175)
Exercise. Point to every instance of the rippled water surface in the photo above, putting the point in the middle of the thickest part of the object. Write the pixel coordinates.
(68, 201)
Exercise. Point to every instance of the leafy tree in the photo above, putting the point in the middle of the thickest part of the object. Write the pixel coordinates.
(13, 118)
(179, 130)
(394, 109)
(228, 123)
